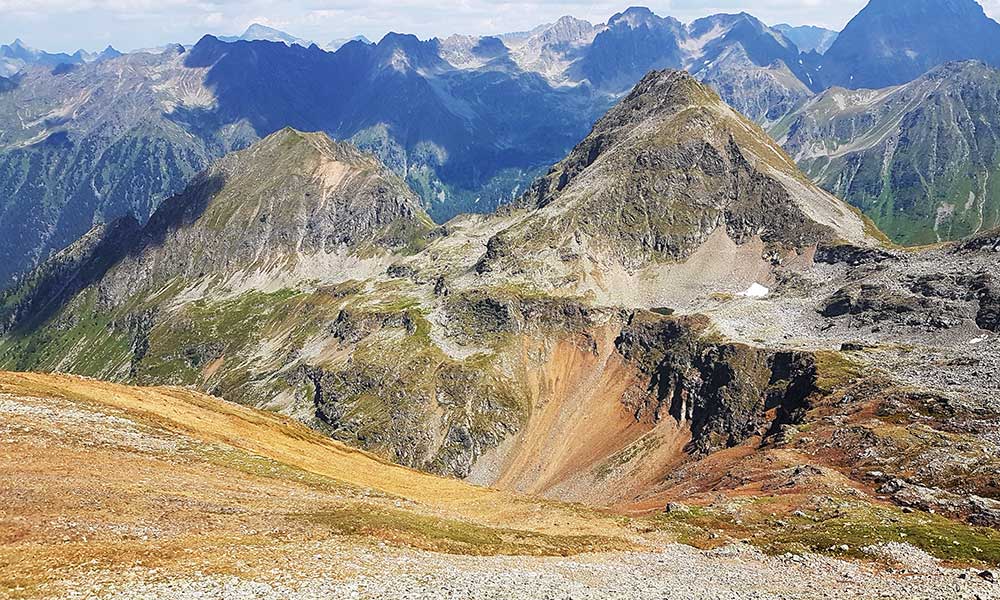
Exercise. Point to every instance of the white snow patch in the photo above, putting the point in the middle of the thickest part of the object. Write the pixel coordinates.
(755, 291)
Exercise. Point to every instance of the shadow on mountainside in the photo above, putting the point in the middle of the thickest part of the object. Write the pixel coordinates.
(8, 84)
(477, 144)
(43, 294)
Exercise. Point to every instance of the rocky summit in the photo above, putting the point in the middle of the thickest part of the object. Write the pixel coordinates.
(679, 359)
(666, 168)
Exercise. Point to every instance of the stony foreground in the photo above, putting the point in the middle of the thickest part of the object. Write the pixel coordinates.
(682, 572)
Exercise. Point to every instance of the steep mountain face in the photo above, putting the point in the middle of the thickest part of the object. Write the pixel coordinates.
(919, 159)
(552, 49)
(809, 38)
(104, 140)
(665, 169)
(635, 42)
(889, 43)
(754, 68)
(292, 195)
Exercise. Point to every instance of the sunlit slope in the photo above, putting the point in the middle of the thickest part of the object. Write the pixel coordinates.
(104, 476)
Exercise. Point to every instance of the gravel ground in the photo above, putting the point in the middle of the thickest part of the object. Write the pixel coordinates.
(326, 570)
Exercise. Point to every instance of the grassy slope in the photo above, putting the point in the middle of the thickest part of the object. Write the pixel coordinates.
(99, 474)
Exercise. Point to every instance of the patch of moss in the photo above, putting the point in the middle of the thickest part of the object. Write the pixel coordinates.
(847, 522)
(451, 536)
(835, 370)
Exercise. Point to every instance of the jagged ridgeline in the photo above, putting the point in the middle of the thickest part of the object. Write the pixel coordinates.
(303, 276)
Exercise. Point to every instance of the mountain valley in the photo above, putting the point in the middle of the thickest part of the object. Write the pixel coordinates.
(749, 343)
(642, 309)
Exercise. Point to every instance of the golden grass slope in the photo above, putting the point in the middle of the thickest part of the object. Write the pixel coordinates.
(103, 477)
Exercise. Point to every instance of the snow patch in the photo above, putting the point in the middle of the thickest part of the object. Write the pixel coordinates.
(755, 291)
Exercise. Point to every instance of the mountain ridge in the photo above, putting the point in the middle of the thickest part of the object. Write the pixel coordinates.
(441, 113)
(916, 157)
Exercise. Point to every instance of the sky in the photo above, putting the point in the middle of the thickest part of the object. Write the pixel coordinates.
(66, 25)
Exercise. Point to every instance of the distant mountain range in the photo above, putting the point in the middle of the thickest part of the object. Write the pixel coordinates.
(921, 159)
(468, 121)
(263, 33)
(17, 56)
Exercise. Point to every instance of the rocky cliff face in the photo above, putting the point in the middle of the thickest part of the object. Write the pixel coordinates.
(918, 158)
(726, 393)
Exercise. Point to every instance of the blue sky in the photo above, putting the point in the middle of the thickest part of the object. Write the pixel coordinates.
(65, 25)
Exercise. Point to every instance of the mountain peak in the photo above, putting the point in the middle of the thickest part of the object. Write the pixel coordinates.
(667, 167)
(258, 32)
(324, 170)
(257, 29)
(294, 148)
(570, 20)
(634, 16)
(672, 87)
(890, 43)
(293, 196)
